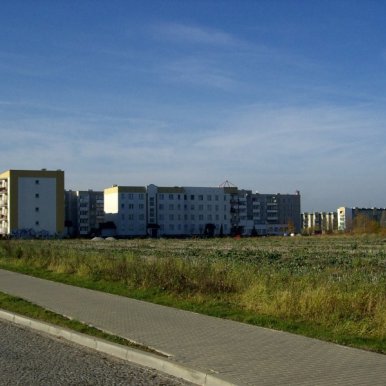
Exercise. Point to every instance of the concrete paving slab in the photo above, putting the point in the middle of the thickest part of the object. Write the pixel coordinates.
(236, 352)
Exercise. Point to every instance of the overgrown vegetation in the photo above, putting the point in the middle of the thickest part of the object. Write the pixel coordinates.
(331, 287)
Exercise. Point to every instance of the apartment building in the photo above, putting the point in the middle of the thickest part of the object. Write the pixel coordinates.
(84, 212)
(32, 202)
(182, 211)
(319, 222)
(347, 216)
(265, 214)
(126, 207)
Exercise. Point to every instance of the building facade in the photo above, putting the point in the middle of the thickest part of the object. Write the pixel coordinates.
(187, 211)
(265, 214)
(84, 212)
(319, 222)
(347, 216)
(32, 202)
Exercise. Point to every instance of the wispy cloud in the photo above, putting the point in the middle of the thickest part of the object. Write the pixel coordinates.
(195, 34)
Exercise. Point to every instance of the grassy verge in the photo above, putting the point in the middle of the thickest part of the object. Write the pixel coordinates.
(332, 288)
(25, 308)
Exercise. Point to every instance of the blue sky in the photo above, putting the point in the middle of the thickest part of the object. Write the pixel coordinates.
(274, 96)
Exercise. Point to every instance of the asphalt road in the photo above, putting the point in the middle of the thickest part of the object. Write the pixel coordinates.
(31, 358)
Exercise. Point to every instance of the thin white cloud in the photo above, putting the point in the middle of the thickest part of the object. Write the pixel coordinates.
(195, 34)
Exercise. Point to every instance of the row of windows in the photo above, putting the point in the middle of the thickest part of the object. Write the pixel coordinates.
(172, 217)
(200, 197)
(131, 217)
(209, 207)
(132, 206)
(189, 228)
(193, 217)
(132, 196)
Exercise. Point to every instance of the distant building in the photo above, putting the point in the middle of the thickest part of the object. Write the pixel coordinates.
(186, 211)
(319, 222)
(126, 207)
(32, 202)
(84, 212)
(347, 216)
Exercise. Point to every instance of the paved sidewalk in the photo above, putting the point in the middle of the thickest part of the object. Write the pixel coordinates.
(236, 352)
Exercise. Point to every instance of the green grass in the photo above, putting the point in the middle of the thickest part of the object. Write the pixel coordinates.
(331, 288)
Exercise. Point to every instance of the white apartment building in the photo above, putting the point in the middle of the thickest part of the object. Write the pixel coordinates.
(126, 207)
(184, 211)
(166, 211)
(31, 202)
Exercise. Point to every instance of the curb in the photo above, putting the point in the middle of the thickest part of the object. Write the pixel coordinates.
(118, 351)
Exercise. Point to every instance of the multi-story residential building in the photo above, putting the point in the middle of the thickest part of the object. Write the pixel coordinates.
(84, 212)
(266, 214)
(181, 211)
(319, 222)
(126, 207)
(347, 216)
(32, 202)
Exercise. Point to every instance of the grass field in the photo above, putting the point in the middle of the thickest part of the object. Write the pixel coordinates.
(330, 287)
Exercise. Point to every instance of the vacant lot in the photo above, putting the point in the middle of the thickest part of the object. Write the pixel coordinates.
(333, 287)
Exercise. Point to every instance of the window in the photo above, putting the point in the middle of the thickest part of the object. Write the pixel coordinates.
(37, 209)
(122, 206)
(141, 217)
(171, 197)
(200, 197)
(36, 222)
(161, 217)
(216, 197)
(191, 207)
(161, 206)
(192, 196)
(201, 217)
(141, 196)
(171, 206)
(130, 217)
(141, 206)
(37, 182)
(209, 207)
(201, 207)
(171, 217)
(209, 197)
(36, 195)
(131, 206)
(161, 196)
(130, 196)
